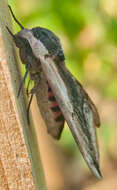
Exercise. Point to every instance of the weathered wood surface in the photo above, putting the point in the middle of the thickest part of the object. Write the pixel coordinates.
(20, 166)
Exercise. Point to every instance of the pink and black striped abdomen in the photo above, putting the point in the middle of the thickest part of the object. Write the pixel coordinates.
(58, 116)
(48, 106)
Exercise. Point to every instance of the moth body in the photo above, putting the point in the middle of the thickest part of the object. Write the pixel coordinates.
(59, 95)
(48, 105)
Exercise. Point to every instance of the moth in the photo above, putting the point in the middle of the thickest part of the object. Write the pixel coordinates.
(59, 95)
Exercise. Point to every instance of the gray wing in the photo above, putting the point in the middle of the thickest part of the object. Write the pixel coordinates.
(78, 110)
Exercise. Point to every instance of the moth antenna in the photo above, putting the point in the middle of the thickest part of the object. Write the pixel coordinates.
(28, 108)
(10, 32)
(23, 80)
(15, 18)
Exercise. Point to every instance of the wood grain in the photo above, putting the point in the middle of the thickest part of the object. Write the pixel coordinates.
(20, 164)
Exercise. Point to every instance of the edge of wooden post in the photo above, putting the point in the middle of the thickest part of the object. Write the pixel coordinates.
(16, 136)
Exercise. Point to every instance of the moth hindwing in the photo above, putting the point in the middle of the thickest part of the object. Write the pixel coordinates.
(59, 95)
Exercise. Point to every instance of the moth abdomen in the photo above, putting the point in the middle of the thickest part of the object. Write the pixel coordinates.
(58, 116)
(51, 97)
(55, 107)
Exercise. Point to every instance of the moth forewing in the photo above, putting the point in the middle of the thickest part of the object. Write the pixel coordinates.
(78, 114)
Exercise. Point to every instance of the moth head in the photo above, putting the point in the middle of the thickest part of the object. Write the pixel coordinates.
(21, 42)
(23, 45)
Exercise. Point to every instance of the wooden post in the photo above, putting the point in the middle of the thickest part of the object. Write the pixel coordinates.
(20, 165)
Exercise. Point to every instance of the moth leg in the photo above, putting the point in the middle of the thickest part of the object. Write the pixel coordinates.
(27, 88)
(23, 80)
(28, 108)
(35, 85)
(32, 92)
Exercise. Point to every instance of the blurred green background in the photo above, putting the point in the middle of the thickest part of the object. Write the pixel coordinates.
(88, 33)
